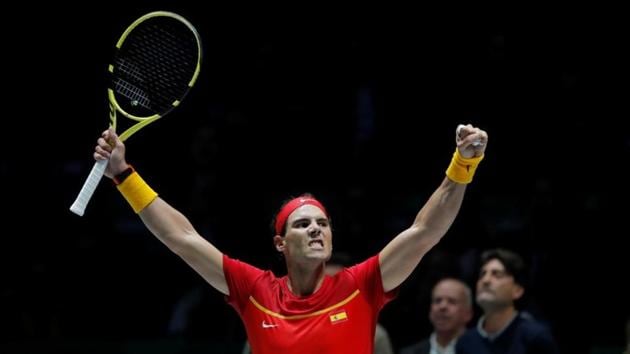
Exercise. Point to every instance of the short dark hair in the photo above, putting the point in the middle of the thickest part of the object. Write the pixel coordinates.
(512, 261)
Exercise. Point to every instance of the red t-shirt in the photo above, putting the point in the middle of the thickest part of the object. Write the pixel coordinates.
(340, 317)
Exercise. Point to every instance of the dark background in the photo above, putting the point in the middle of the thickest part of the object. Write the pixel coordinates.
(358, 107)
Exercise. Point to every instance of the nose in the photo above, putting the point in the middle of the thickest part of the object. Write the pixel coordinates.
(441, 305)
(314, 230)
(485, 279)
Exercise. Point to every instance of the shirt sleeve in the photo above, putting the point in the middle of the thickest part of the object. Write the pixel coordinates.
(543, 343)
(368, 277)
(239, 277)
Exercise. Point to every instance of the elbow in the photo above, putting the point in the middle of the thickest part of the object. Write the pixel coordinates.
(181, 244)
(426, 236)
(433, 227)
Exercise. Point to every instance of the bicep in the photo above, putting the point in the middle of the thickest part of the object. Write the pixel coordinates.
(206, 260)
(402, 254)
(177, 233)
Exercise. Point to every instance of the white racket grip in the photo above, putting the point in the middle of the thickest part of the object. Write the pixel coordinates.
(78, 207)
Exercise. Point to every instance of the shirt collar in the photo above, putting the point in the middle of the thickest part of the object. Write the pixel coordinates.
(493, 336)
(436, 348)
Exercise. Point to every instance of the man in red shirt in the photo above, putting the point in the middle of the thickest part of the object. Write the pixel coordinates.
(305, 311)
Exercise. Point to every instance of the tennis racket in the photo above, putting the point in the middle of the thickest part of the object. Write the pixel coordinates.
(156, 63)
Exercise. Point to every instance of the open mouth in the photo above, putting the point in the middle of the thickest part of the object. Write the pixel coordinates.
(316, 244)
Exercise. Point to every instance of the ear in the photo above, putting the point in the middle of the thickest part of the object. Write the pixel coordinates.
(279, 242)
(468, 315)
(517, 292)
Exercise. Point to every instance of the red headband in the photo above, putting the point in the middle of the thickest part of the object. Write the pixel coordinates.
(283, 215)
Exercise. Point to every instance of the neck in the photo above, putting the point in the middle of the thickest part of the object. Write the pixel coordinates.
(445, 337)
(497, 319)
(304, 281)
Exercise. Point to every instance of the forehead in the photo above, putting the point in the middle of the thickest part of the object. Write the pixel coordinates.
(306, 212)
(448, 288)
(493, 264)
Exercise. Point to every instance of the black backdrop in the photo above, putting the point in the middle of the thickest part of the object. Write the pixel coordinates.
(358, 107)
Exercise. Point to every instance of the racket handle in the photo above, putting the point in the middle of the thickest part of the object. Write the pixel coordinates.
(78, 207)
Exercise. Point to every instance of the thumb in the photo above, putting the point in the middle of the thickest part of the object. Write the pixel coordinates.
(112, 138)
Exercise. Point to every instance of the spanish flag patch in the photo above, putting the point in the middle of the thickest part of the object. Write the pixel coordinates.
(339, 317)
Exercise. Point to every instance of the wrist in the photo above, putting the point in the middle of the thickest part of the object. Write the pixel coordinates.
(122, 176)
(136, 191)
(461, 170)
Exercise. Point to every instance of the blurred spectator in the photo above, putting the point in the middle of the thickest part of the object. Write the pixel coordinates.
(450, 311)
(503, 329)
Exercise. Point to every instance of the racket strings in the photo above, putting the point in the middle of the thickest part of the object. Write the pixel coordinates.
(136, 95)
(155, 64)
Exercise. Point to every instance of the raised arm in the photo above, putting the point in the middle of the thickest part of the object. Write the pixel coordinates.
(165, 222)
(402, 254)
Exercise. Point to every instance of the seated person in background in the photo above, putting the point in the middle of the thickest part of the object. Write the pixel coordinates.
(502, 329)
(450, 311)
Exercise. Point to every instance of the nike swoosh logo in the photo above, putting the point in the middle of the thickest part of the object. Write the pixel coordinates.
(268, 325)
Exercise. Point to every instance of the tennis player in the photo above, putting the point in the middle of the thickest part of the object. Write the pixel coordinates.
(305, 311)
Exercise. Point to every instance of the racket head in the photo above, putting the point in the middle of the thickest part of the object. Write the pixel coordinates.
(156, 63)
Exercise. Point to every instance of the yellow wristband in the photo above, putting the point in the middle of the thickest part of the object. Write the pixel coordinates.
(462, 170)
(137, 192)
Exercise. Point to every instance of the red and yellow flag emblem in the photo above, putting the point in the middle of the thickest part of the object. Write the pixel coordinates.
(339, 317)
